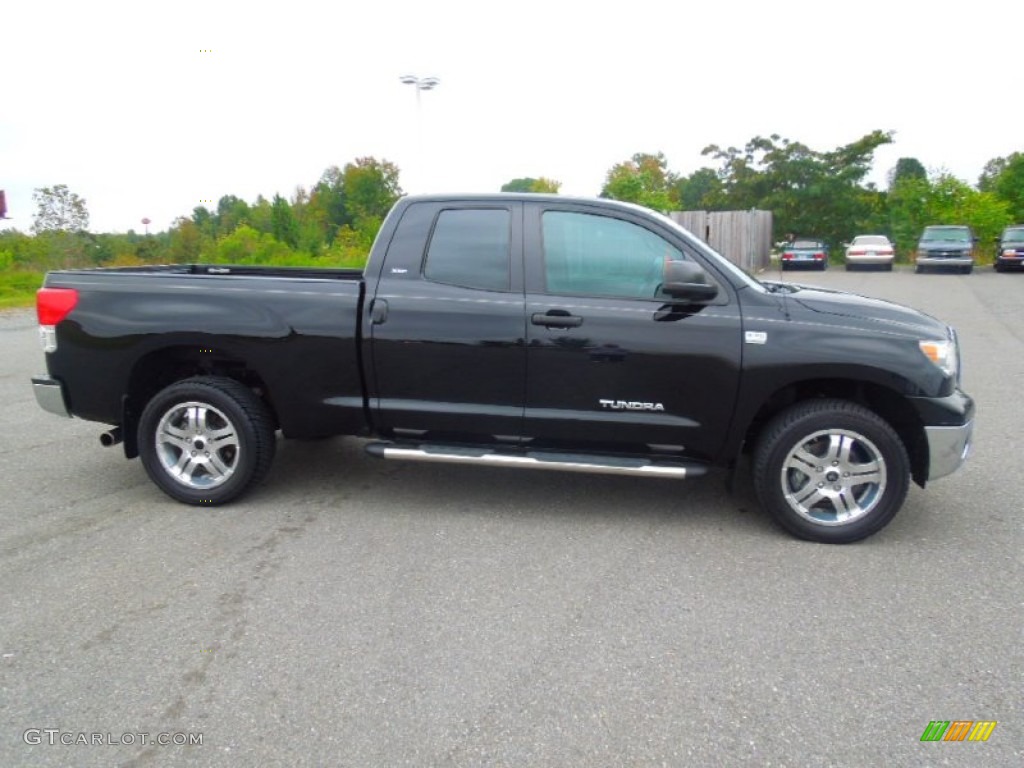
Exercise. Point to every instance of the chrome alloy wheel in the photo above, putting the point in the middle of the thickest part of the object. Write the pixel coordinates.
(833, 477)
(197, 445)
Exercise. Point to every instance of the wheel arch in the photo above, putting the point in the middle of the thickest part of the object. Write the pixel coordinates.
(159, 368)
(887, 403)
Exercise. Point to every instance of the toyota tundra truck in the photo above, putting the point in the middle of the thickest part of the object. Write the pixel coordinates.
(521, 331)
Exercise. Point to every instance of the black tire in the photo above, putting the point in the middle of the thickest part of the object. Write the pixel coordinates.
(918, 269)
(218, 421)
(888, 267)
(999, 267)
(834, 500)
(966, 270)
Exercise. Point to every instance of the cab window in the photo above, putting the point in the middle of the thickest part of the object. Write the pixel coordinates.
(470, 248)
(591, 255)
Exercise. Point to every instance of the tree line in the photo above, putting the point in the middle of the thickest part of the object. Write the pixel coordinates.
(824, 194)
(333, 222)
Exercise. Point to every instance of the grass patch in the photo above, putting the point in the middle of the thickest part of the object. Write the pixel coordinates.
(18, 289)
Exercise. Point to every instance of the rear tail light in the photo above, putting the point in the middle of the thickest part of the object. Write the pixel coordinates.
(819, 255)
(787, 256)
(857, 253)
(52, 306)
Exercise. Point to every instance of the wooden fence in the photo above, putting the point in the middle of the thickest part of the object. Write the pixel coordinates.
(743, 237)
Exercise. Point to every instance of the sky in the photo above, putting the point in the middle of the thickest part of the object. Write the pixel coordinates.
(147, 110)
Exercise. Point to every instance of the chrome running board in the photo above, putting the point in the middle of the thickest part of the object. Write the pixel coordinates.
(565, 462)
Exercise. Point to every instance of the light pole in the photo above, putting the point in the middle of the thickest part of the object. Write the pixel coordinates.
(420, 84)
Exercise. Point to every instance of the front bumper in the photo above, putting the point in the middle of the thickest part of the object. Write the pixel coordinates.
(944, 261)
(866, 260)
(50, 395)
(948, 448)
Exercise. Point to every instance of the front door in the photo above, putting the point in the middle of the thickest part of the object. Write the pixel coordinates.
(612, 363)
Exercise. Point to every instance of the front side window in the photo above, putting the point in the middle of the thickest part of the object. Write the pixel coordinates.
(470, 248)
(590, 255)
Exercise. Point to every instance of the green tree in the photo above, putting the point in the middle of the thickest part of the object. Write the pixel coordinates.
(809, 192)
(908, 204)
(530, 184)
(186, 241)
(326, 209)
(205, 220)
(1008, 184)
(645, 179)
(261, 215)
(231, 213)
(991, 171)
(371, 188)
(284, 226)
(914, 203)
(907, 168)
(58, 209)
(695, 190)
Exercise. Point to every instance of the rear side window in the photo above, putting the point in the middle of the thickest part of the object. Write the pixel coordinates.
(470, 248)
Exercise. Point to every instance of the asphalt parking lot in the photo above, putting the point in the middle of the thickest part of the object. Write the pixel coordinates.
(353, 612)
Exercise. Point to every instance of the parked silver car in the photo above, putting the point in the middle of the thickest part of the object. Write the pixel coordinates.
(870, 250)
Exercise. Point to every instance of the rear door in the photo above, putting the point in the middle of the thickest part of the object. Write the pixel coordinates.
(612, 363)
(447, 325)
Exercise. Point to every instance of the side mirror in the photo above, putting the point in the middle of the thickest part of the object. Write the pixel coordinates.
(686, 280)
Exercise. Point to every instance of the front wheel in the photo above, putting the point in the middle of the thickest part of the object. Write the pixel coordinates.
(205, 440)
(831, 471)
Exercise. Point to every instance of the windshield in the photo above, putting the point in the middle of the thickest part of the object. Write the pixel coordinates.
(806, 244)
(955, 235)
(1016, 234)
(870, 240)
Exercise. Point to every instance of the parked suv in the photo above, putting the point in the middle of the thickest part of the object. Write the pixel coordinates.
(1010, 251)
(946, 247)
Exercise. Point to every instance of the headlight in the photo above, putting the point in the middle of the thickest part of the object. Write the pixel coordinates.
(942, 353)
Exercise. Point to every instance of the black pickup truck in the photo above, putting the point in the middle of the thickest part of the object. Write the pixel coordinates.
(516, 331)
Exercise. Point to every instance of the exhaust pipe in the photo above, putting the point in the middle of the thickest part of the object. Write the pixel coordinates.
(111, 437)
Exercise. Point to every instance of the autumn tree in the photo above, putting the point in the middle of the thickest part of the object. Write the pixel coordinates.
(58, 209)
(645, 179)
(530, 184)
(371, 189)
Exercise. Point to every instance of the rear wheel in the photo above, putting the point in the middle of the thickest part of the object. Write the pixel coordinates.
(831, 471)
(205, 440)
